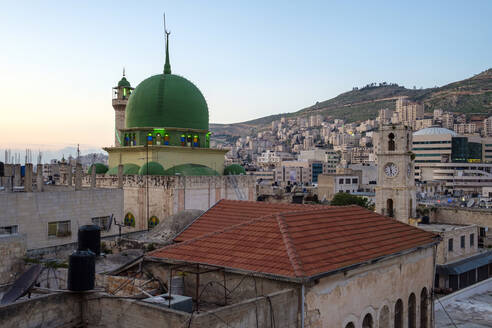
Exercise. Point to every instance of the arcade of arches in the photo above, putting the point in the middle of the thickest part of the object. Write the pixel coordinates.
(385, 316)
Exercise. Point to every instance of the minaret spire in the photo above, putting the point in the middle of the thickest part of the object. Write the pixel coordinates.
(123, 71)
(167, 65)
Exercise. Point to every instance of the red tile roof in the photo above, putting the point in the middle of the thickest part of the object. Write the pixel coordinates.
(298, 243)
(227, 213)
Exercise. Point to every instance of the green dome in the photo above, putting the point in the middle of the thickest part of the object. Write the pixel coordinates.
(124, 82)
(190, 170)
(128, 169)
(167, 100)
(100, 168)
(234, 169)
(154, 169)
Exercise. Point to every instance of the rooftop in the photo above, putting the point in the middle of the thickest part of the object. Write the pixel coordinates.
(433, 130)
(292, 243)
(442, 227)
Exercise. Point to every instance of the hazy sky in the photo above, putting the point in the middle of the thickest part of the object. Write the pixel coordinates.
(60, 59)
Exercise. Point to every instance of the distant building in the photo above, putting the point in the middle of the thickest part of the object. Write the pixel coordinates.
(408, 112)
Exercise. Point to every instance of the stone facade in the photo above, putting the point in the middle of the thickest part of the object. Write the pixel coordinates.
(32, 212)
(12, 251)
(395, 192)
(373, 289)
(170, 194)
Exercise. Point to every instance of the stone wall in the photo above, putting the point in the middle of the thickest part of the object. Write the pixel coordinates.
(370, 289)
(12, 251)
(32, 211)
(445, 256)
(55, 310)
(454, 215)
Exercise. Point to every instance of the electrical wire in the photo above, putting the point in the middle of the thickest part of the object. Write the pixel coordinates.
(452, 321)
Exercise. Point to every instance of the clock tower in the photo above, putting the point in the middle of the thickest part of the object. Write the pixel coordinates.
(395, 192)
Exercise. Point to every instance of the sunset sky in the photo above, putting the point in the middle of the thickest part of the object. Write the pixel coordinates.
(60, 59)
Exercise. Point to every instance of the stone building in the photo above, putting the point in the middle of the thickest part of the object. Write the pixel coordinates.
(395, 192)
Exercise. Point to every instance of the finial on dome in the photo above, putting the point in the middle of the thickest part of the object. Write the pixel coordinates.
(123, 71)
(167, 65)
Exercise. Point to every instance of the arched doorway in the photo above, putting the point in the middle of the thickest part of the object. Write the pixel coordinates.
(389, 207)
(412, 318)
(384, 317)
(399, 314)
(423, 308)
(368, 322)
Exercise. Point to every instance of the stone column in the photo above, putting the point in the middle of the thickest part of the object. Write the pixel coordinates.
(120, 176)
(70, 177)
(28, 178)
(7, 179)
(39, 177)
(93, 177)
(17, 175)
(78, 176)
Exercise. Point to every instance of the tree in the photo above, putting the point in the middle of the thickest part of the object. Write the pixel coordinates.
(343, 198)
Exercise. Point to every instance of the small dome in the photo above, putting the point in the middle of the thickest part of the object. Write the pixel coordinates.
(128, 169)
(167, 100)
(154, 168)
(433, 130)
(124, 82)
(191, 170)
(234, 169)
(100, 168)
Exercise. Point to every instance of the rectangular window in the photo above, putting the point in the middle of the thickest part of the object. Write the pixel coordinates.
(8, 230)
(355, 181)
(102, 221)
(472, 240)
(450, 244)
(340, 181)
(347, 181)
(462, 241)
(59, 229)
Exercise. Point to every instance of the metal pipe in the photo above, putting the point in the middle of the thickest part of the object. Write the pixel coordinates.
(302, 306)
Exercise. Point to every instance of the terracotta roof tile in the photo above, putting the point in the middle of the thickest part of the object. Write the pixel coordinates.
(291, 240)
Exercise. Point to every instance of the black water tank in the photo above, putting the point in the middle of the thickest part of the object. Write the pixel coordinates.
(90, 239)
(81, 271)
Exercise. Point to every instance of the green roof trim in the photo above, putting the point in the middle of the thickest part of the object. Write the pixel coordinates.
(191, 170)
(165, 101)
(154, 168)
(128, 169)
(234, 169)
(100, 168)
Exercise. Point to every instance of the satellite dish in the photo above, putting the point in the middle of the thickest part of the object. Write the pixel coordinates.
(22, 285)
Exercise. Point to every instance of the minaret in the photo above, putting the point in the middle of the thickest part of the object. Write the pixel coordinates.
(121, 93)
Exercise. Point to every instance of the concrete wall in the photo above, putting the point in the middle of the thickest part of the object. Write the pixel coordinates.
(55, 310)
(31, 212)
(444, 256)
(454, 215)
(12, 251)
(347, 297)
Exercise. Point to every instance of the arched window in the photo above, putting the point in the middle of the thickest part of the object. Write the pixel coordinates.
(367, 322)
(183, 140)
(389, 207)
(166, 139)
(127, 140)
(158, 139)
(412, 318)
(153, 221)
(423, 308)
(391, 141)
(384, 317)
(188, 140)
(195, 141)
(399, 314)
(150, 138)
(129, 220)
(350, 325)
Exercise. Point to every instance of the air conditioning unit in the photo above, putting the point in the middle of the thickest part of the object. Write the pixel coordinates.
(178, 302)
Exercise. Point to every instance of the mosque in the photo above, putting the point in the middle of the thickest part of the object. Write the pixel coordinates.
(161, 128)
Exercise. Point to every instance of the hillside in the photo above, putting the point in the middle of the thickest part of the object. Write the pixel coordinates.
(472, 95)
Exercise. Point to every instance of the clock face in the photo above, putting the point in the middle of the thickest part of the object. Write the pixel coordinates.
(391, 170)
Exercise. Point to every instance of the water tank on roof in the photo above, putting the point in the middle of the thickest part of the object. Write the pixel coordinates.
(81, 271)
(90, 239)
